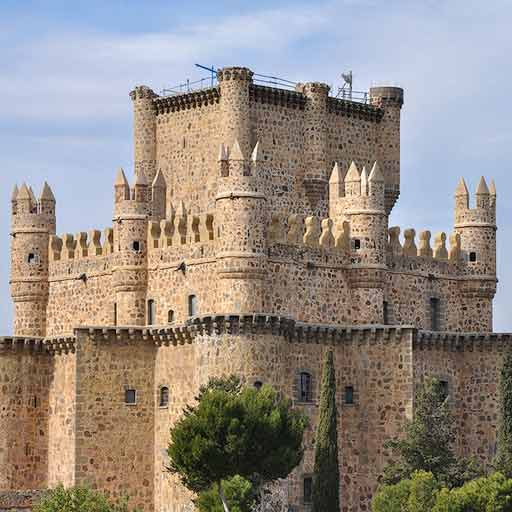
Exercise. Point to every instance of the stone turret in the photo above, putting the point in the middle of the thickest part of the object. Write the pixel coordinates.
(144, 131)
(235, 83)
(33, 222)
(477, 229)
(315, 145)
(363, 206)
(131, 214)
(242, 217)
(390, 100)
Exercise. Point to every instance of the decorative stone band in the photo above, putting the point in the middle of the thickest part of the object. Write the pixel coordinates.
(475, 225)
(196, 99)
(274, 96)
(458, 342)
(261, 323)
(53, 345)
(354, 109)
(240, 193)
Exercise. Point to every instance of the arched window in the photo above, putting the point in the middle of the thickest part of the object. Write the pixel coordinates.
(305, 387)
(192, 305)
(170, 316)
(151, 312)
(164, 396)
(258, 384)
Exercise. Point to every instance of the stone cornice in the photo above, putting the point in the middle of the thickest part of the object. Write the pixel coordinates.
(187, 101)
(458, 342)
(354, 109)
(52, 345)
(275, 96)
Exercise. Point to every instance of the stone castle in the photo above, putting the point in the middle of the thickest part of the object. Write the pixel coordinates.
(253, 238)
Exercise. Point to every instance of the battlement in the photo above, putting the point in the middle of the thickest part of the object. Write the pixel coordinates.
(29, 212)
(484, 210)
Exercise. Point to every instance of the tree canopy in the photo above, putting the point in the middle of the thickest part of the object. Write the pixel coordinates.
(234, 430)
(428, 442)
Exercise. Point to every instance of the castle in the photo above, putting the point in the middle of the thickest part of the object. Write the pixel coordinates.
(253, 238)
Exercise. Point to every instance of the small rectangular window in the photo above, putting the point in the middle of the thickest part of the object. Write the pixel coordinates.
(434, 314)
(308, 489)
(115, 313)
(445, 390)
(472, 256)
(357, 244)
(192, 305)
(130, 396)
(349, 395)
(306, 387)
(385, 313)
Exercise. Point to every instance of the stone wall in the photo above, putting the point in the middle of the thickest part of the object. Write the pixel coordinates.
(18, 501)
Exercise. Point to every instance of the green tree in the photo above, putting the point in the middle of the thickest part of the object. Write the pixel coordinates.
(417, 494)
(236, 431)
(78, 499)
(238, 491)
(326, 483)
(503, 462)
(428, 442)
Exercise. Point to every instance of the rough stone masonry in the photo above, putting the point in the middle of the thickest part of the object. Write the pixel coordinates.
(253, 238)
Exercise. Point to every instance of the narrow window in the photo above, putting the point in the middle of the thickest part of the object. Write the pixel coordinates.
(136, 246)
(115, 313)
(170, 316)
(306, 389)
(130, 396)
(308, 489)
(349, 395)
(164, 396)
(434, 314)
(385, 312)
(258, 384)
(151, 312)
(192, 305)
(472, 256)
(357, 244)
(32, 258)
(35, 402)
(445, 391)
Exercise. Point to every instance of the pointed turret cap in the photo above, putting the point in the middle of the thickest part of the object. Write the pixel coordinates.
(121, 178)
(335, 174)
(236, 152)
(482, 189)
(32, 195)
(462, 189)
(159, 181)
(223, 153)
(140, 180)
(492, 188)
(24, 192)
(353, 173)
(47, 193)
(364, 181)
(376, 174)
(257, 154)
(14, 194)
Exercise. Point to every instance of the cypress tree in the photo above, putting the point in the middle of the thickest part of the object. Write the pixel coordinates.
(503, 461)
(326, 482)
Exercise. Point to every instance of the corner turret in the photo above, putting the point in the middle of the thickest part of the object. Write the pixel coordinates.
(33, 222)
(477, 229)
(390, 100)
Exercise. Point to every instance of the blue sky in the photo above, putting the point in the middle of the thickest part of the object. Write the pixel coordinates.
(67, 67)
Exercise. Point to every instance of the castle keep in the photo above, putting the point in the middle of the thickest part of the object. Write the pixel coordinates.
(253, 237)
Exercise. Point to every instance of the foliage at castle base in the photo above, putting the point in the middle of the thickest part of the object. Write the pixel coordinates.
(423, 493)
(326, 485)
(236, 431)
(503, 462)
(78, 499)
(428, 443)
